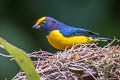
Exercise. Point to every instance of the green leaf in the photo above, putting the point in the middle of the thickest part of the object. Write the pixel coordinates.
(22, 59)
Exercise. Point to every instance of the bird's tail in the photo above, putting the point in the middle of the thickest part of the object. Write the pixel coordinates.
(101, 39)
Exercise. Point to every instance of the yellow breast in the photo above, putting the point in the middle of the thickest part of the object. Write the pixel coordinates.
(58, 41)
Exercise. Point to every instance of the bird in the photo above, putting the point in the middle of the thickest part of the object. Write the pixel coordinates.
(61, 35)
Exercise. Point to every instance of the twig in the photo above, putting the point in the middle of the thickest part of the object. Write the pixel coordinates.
(5, 55)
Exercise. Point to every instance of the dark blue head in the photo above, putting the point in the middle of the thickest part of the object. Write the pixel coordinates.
(47, 24)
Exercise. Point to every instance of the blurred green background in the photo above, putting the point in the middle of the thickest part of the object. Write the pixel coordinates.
(18, 16)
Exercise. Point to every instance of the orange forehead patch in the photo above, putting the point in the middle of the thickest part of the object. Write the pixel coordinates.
(40, 20)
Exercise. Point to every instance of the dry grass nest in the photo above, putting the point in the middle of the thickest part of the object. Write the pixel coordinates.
(88, 62)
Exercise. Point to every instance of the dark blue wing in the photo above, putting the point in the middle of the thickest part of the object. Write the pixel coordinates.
(72, 31)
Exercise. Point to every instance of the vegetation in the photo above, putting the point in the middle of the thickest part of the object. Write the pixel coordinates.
(86, 62)
(22, 59)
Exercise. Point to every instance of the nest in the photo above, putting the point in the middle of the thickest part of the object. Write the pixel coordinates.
(88, 62)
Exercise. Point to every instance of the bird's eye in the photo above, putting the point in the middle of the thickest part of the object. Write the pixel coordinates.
(44, 22)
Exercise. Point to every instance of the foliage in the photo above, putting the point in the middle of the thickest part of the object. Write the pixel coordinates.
(22, 59)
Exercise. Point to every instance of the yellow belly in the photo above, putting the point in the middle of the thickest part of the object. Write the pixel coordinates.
(58, 41)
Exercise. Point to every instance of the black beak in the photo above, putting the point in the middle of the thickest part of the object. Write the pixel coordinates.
(36, 26)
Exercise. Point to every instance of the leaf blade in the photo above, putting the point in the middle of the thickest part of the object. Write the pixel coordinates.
(22, 59)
